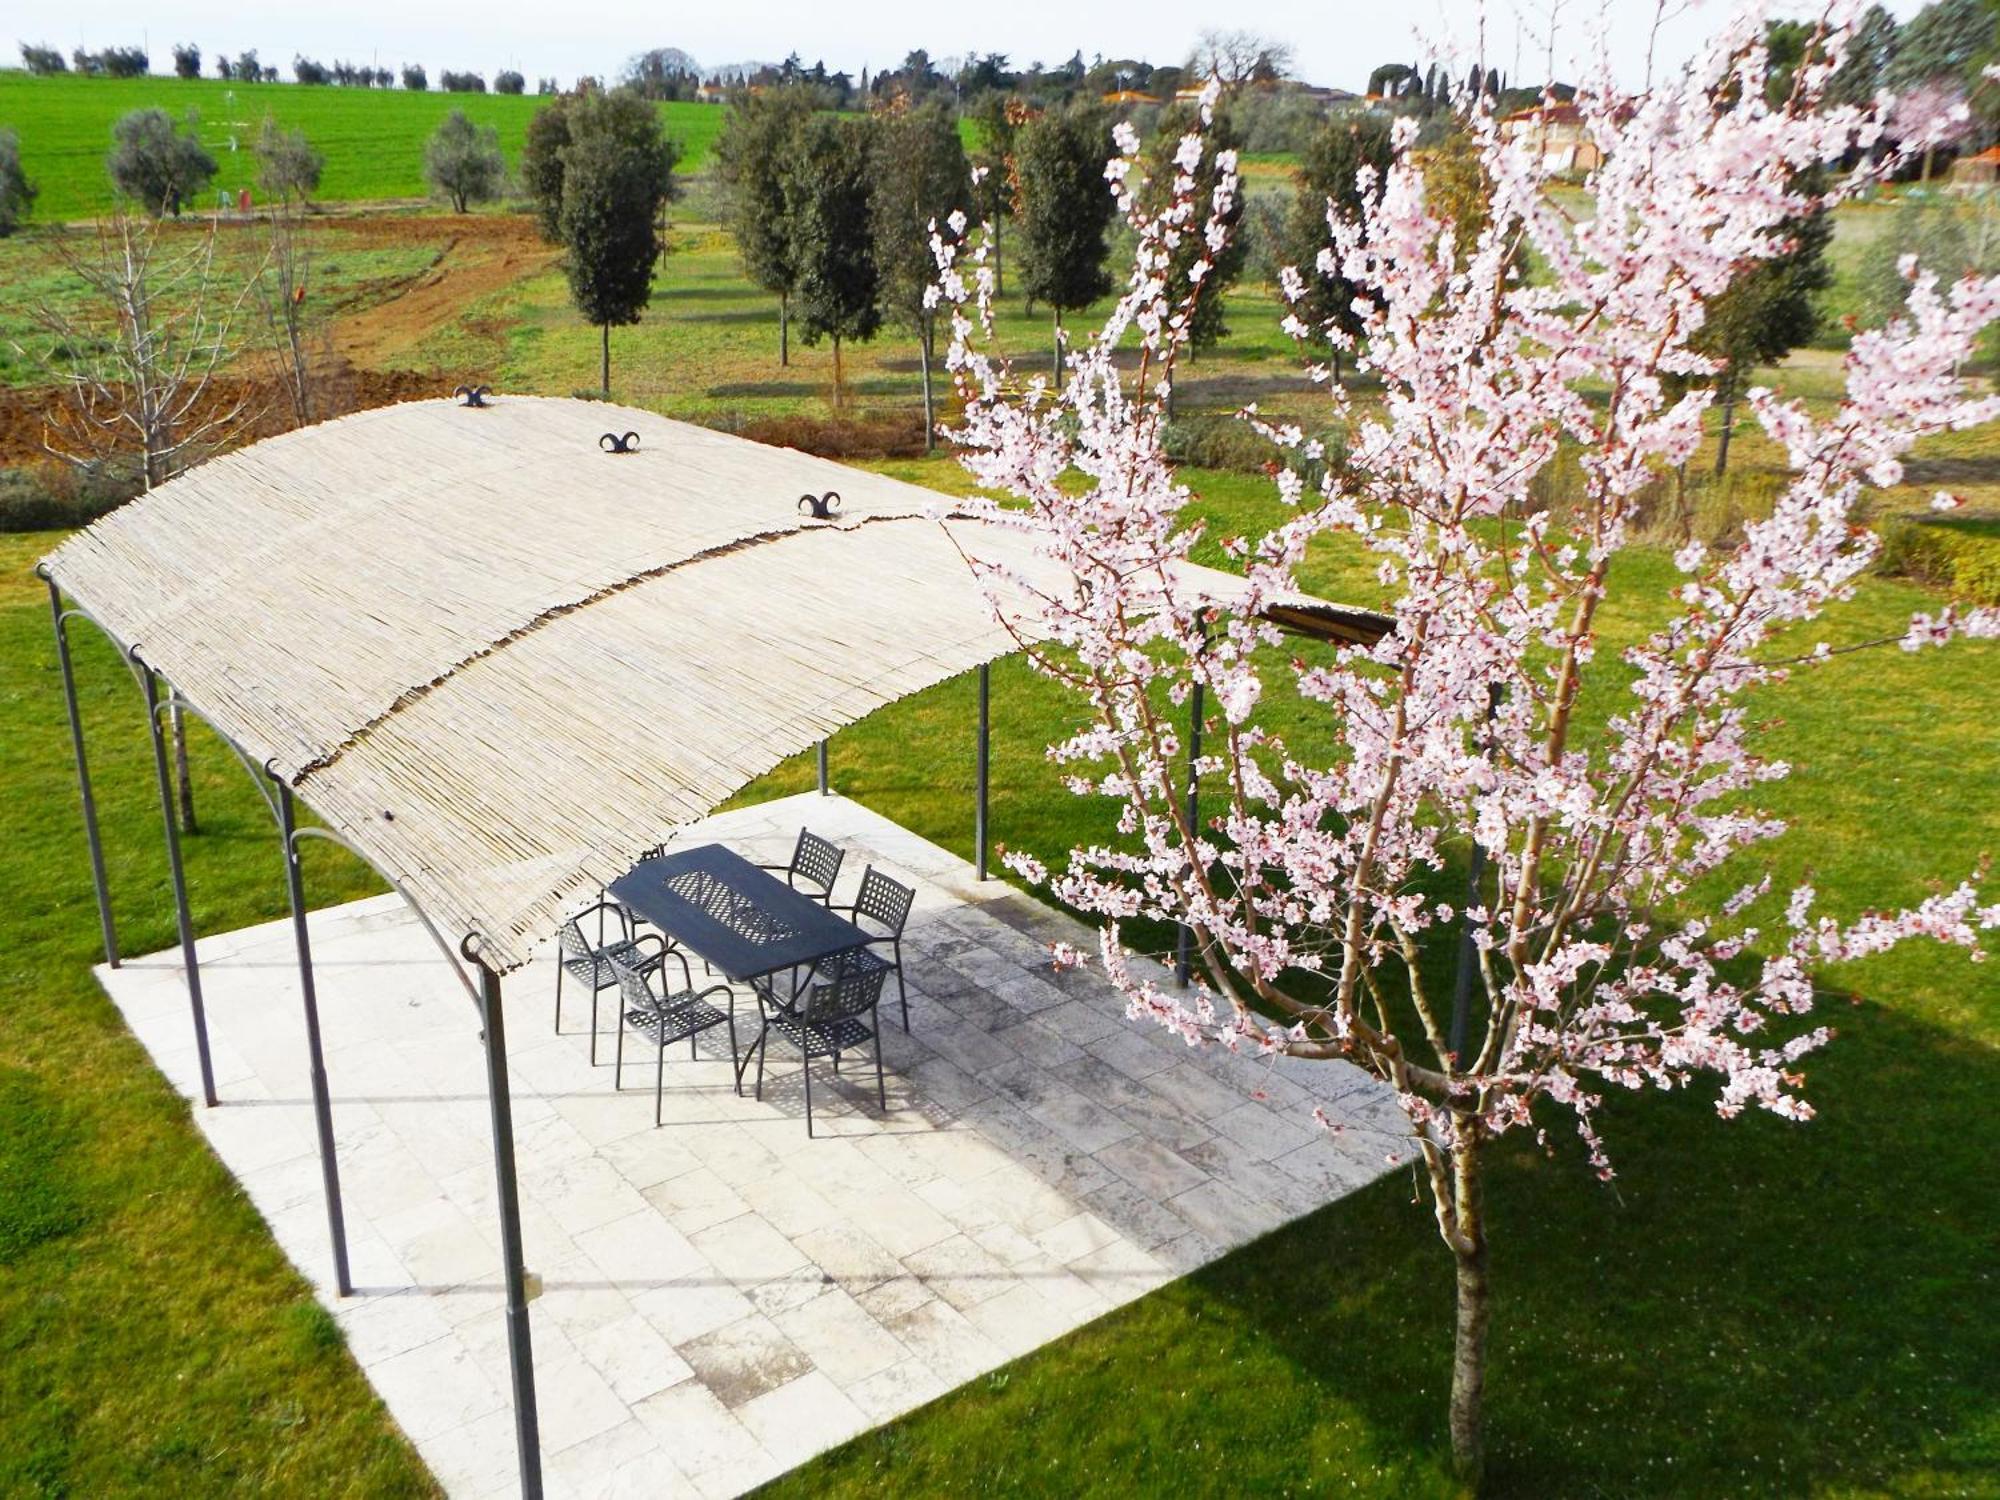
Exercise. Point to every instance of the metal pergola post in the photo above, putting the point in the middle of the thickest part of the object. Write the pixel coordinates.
(520, 1350)
(1184, 939)
(822, 767)
(983, 762)
(90, 832)
(169, 813)
(329, 1166)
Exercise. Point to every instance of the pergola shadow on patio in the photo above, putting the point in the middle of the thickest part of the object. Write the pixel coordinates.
(720, 1297)
(498, 661)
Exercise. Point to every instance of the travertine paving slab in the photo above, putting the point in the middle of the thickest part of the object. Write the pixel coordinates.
(722, 1297)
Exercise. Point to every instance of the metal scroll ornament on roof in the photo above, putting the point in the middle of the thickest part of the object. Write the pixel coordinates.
(613, 442)
(473, 395)
(820, 507)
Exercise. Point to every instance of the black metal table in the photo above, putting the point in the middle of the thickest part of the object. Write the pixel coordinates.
(738, 919)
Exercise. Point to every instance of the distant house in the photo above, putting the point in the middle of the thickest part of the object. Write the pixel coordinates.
(1132, 96)
(1970, 173)
(712, 92)
(1555, 133)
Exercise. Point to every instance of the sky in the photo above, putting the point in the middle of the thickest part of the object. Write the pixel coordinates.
(1336, 42)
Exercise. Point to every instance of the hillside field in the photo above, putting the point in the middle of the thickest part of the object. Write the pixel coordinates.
(373, 138)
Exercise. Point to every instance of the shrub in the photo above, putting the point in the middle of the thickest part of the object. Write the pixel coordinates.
(1958, 554)
(17, 194)
(305, 70)
(462, 83)
(509, 82)
(48, 496)
(42, 60)
(1218, 442)
(415, 79)
(187, 60)
(154, 161)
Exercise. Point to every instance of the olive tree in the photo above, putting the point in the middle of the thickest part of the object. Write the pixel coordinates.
(462, 161)
(157, 162)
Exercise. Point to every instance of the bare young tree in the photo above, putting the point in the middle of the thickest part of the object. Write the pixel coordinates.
(297, 337)
(138, 357)
(1236, 57)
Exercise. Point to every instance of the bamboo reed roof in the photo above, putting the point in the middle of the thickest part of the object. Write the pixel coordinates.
(500, 661)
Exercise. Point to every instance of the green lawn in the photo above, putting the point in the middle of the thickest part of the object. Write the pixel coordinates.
(373, 138)
(1756, 1308)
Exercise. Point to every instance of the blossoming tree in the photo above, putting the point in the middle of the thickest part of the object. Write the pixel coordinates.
(1317, 888)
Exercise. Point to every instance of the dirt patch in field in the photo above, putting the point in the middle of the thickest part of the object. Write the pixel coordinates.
(477, 255)
(25, 416)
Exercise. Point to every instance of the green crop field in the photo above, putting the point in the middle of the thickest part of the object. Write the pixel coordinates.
(373, 138)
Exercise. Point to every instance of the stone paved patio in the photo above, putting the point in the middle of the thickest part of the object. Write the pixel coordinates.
(723, 1298)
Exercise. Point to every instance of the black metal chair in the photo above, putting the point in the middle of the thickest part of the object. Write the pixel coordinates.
(814, 860)
(664, 1017)
(589, 962)
(887, 903)
(833, 1015)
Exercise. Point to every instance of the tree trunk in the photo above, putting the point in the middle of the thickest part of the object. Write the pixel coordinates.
(1058, 347)
(1468, 1360)
(1170, 393)
(836, 373)
(177, 723)
(999, 265)
(784, 329)
(1336, 364)
(930, 415)
(1728, 427)
(605, 328)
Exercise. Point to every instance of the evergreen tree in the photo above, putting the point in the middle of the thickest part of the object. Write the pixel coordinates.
(1768, 311)
(1327, 174)
(1206, 328)
(617, 176)
(542, 164)
(826, 190)
(1871, 55)
(998, 118)
(17, 194)
(922, 177)
(1065, 209)
(750, 154)
(1944, 40)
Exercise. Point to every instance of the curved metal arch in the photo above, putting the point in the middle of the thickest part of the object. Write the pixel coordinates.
(443, 945)
(138, 664)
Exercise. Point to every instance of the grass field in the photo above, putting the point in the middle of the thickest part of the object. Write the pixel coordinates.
(1757, 1308)
(373, 138)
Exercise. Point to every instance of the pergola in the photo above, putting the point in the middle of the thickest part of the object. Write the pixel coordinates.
(497, 688)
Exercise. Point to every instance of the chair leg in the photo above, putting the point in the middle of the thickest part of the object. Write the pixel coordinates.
(659, 1083)
(881, 1090)
(618, 1070)
(692, 1054)
(763, 1046)
(732, 1057)
(806, 1067)
(902, 991)
(559, 980)
(593, 1024)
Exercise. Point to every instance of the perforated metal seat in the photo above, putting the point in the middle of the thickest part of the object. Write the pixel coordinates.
(886, 903)
(664, 1017)
(591, 962)
(814, 866)
(832, 1016)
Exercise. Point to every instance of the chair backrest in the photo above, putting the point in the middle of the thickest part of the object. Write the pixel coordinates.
(884, 900)
(817, 859)
(633, 987)
(852, 991)
(576, 943)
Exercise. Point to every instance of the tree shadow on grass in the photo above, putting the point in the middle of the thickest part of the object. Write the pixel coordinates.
(1759, 1307)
